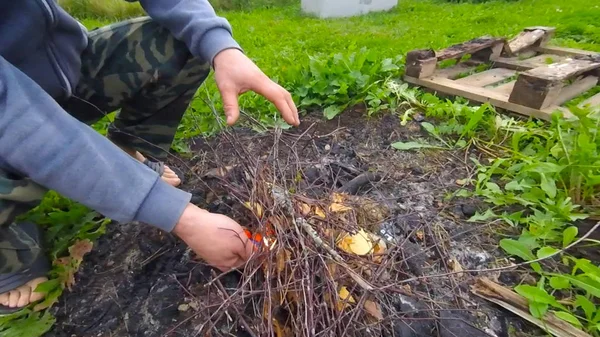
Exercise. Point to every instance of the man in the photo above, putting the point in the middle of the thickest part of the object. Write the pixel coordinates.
(55, 78)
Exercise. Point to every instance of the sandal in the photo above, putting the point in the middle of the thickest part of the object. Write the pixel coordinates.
(159, 167)
(39, 268)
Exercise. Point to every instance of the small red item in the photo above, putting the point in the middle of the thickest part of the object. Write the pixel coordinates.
(256, 238)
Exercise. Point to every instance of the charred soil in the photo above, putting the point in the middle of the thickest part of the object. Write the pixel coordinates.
(139, 281)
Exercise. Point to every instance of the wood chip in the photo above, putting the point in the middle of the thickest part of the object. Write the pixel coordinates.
(518, 305)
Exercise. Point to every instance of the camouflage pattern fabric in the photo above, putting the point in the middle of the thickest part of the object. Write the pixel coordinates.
(17, 196)
(137, 66)
(134, 67)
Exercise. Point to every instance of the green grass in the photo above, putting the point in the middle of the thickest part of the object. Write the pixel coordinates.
(298, 51)
(281, 40)
(119, 9)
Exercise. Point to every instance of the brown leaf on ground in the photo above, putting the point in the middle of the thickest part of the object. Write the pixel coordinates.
(63, 261)
(337, 205)
(320, 213)
(281, 330)
(304, 209)
(80, 248)
(71, 263)
(283, 256)
(345, 299)
(218, 172)
(455, 266)
(374, 309)
(255, 208)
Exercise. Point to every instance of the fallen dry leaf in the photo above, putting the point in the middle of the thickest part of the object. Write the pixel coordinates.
(379, 248)
(332, 269)
(359, 243)
(320, 213)
(455, 266)
(80, 248)
(338, 208)
(345, 294)
(281, 330)
(283, 256)
(420, 235)
(304, 209)
(254, 207)
(374, 309)
(337, 204)
(343, 299)
(218, 172)
(71, 263)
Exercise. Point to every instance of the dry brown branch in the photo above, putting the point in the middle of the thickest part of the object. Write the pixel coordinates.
(517, 304)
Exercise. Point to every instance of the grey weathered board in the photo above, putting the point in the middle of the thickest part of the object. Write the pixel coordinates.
(523, 75)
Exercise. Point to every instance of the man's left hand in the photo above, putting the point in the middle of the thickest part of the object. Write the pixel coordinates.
(236, 74)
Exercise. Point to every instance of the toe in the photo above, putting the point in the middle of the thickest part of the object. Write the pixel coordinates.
(13, 298)
(24, 298)
(172, 181)
(35, 296)
(169, 173)
(4, 299)
(171, 177)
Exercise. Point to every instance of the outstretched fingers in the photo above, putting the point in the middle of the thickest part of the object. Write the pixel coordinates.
(280, 97)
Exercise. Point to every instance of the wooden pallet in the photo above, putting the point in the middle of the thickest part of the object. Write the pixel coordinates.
(524, 75)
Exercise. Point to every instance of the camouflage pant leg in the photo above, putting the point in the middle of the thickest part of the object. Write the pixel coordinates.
(137, 66)
(17, 196)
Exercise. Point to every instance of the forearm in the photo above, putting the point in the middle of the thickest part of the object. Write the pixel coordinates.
(195, 23)
(40, 140)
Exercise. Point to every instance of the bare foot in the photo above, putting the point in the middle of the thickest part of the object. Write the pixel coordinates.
(168, 175)
(23, 295)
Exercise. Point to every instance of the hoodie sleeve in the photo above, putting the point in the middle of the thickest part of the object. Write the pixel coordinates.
(40, 140)
(195, 23)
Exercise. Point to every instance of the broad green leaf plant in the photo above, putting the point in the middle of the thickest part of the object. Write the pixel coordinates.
(539, 178)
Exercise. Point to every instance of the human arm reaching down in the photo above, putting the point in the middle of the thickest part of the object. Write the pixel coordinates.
(41, 141)
(210, 38)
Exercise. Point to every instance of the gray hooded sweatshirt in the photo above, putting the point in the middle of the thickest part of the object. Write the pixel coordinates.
(40, 48)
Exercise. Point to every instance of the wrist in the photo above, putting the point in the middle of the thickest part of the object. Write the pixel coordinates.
(191, 220)
(225, 54)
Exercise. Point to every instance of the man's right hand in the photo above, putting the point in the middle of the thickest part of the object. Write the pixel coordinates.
(216, 238)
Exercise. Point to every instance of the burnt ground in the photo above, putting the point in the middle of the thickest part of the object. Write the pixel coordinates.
(136, 278)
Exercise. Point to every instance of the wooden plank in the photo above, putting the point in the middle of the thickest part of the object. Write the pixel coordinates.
(565, 51)
(453, 72)
(513, 63)
(420, 63)
(505, 88)
(562, 70)
(550, 31)
(472, 46)
(539, 88)
(577, 88)
(543, 60)
(524, 40)
(482, 95)
(593, 101)
(489, 54)
(518, 64)
(519, 305)
(487, 77)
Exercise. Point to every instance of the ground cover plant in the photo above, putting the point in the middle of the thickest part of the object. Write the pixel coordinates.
(538, 179)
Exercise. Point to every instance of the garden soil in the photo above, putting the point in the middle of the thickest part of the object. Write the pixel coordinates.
(139, 281)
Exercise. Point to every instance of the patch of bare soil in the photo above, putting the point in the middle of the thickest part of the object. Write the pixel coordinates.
(138, 281)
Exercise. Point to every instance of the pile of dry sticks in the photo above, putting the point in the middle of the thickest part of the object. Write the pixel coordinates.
(320, 269)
